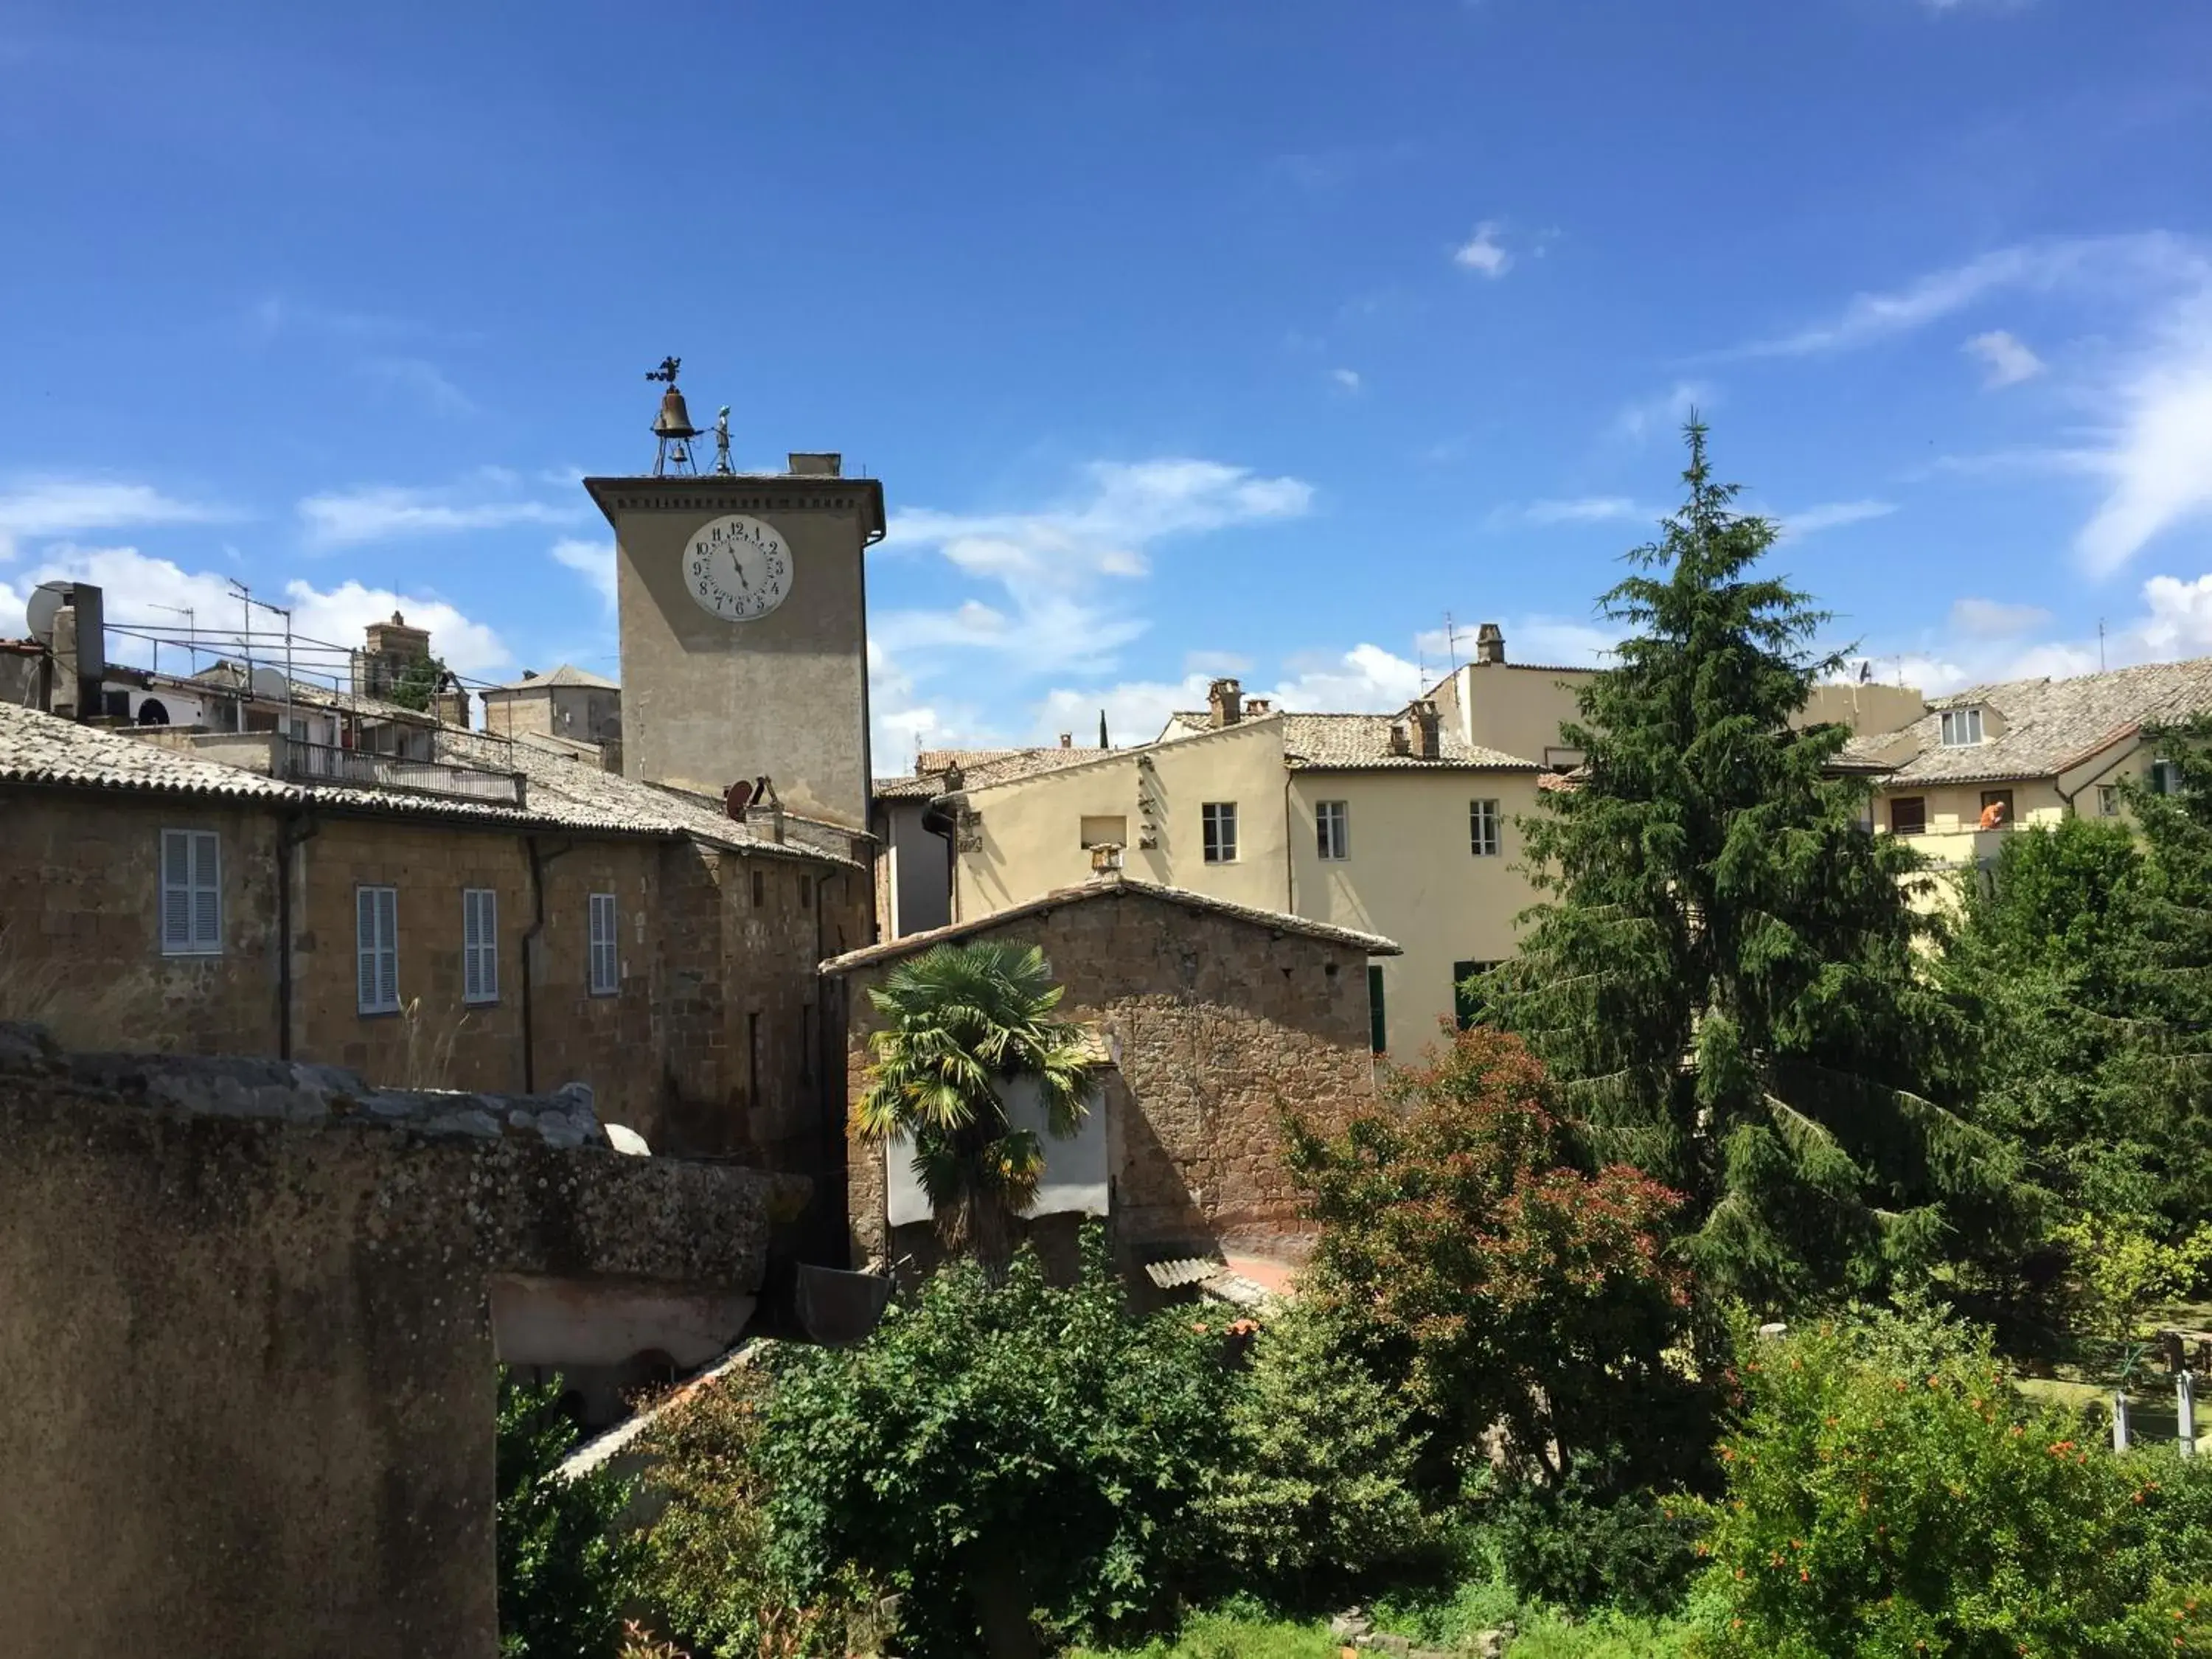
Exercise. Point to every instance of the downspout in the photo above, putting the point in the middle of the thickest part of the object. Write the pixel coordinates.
(537, 862)
(941, 817)
(1290, 853)
(293, 828)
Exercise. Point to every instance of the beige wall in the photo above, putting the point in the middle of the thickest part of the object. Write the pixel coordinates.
(1221, 1026)
(1414, 877)
(1028, 835)
(707, 702)
(1516, 709)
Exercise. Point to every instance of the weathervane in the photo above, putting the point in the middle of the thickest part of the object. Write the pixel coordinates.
(672, 426)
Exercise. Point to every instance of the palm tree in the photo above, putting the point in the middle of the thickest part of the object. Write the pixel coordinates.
(959, 1023)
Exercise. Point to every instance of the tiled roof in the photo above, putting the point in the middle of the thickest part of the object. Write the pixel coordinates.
(566, 674)
(1343, 743)
(39, 749)
(2048, 724)
(1116, 887)
(1352, 743)
(980, 768)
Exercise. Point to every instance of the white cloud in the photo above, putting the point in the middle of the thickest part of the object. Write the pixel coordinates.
(1584, 509)
(2009, 361)
(350, 518)
(1830, 515)
(31, 508)
(1667, 411)
(2159, 456)
(1346, 378)
(2125, 263)
(150, 595)
(421, 379)
(1995, 619)
(1484, 253)
(593, 561)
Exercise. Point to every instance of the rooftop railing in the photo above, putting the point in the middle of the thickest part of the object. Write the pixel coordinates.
(320, 762)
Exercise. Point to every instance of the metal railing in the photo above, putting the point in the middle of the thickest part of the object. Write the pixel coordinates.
(320, 762)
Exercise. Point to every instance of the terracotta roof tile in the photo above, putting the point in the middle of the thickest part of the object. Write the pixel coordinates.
(980, 767)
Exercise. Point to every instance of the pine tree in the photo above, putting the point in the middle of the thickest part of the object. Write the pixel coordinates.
(1728, 979)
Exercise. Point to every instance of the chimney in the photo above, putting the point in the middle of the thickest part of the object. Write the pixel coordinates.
(1226, 698)
(816, 464)
(452, 706)
(1423, 734)
(1401, 741)
(1106, 860)
(1067, 740)
(69, 690)
(529, 673)
(1489, 644)
(1258, 706)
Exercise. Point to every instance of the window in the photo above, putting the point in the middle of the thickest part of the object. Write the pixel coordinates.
(1482, 827)
(607, 966)
(2108, 800)
(1218, 818)
(805, 892)
(1332, 829)
(1962, 727)
(192, 893)
(2164, 778)
(760, 889)
(1463, 1004)
(1105, 831)
(479, 944)
(376, 949)
(1908, 815)
(1378, 1027)
(1996, 809)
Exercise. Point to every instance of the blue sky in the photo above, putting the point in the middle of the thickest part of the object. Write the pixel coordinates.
(1187, 336)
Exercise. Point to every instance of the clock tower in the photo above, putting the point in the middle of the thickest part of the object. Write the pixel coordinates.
(744, 633)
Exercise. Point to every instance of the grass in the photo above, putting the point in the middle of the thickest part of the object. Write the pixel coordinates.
(1229, 1636)
(1544, 1635)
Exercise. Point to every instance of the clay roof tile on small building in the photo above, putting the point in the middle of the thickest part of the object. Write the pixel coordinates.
(1115, 886)
(2048, 724)
(566, 674)
(980, 768)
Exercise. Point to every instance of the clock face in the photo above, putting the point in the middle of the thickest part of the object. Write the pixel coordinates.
(737, 568)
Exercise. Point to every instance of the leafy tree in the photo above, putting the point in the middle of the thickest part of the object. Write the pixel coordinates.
(1001, 1454)
(565, 1572)
(419, 682)
(1889, 1493)
(959, 1023)
(1726, 981)
(1472, 1267)
(1319, 1494)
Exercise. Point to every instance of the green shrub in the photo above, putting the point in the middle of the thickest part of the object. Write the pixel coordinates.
(1319, 1494)
(1889, 1493)
(564, 1570)
(1590, 1541)
(1000, 1456)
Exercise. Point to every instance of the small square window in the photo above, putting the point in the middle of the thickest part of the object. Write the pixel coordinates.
(805, 892)
(2108, 800)
(1217, 819)
(1332, 829)
(1105, 831)
(1996, 809)
(760, 889)
(1482, 824)
(1463, 1001)
(2164, 778)
(1962, 727)
(1908, 815)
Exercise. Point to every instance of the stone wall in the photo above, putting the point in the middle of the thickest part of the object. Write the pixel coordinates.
(715, 1042)
(1220, 1024)
(249, 1348)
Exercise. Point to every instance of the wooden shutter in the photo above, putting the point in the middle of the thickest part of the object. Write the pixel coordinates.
(206, 891)
(176, 890)
(365, 948)
(376, 948)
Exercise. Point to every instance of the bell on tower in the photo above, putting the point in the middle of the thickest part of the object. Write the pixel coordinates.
(672, 426)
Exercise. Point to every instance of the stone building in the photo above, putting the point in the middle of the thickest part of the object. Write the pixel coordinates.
(1213, 1018)
(499, 918)
(569, 702)
(252, 1315)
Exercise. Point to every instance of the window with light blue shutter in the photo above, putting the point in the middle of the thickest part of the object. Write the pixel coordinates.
(479, 944)
(376, 949)
(606, 962)
(192, 893)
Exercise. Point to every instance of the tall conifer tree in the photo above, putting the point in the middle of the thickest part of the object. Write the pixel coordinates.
(1726, 980)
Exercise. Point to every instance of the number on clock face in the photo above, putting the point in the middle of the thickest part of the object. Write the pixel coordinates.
(737, 568)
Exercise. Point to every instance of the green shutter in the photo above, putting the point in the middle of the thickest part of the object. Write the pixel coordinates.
(1462, 1003)
(1378, 1027)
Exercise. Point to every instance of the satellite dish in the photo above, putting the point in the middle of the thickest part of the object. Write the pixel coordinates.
(735, 798)
(269, 685)
(44, 604)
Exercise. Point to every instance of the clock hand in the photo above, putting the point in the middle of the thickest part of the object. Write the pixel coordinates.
(739, 567)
